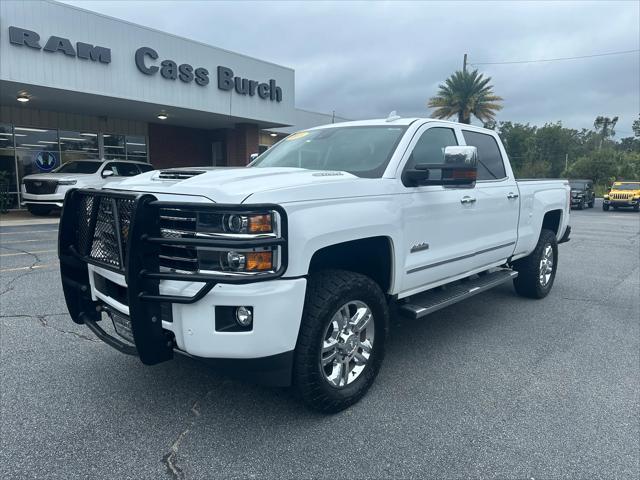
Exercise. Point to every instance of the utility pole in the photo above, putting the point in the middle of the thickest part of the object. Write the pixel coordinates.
(566, 161)
(464, 63)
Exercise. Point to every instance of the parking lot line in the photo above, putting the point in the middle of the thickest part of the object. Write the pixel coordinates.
(26, 253)
(33, 267)
(28, 231)
(24, 241)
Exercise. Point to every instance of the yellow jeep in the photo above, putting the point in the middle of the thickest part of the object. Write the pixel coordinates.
(623, 194)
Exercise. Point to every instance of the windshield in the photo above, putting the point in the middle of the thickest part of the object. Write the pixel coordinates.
(626, 186)
(577, 185)
(362, 151)
(79, 167)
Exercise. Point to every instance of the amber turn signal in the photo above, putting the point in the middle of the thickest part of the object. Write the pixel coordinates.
(260, 223)
(258, 261)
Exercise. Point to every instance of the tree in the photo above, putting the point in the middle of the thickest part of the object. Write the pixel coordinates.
(464, 94)
(636, 127)
(599, 166)
(605, 127)
(518, 140)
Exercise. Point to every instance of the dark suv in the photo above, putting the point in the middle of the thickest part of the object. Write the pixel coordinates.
(582, 194)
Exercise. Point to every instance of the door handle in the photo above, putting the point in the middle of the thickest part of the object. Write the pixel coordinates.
(466, 199)
(512, 195)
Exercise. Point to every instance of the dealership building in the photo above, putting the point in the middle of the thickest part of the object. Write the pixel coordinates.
(77, 84)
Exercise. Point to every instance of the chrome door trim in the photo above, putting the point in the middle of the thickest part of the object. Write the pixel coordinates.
(462, 257)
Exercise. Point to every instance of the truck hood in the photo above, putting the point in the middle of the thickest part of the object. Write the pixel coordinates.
(56, 176)
(251, 185)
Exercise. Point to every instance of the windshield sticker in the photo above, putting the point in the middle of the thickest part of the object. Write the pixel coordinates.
(296, 136)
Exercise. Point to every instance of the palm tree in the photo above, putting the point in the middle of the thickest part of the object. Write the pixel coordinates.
(465, 94)
(605, 127)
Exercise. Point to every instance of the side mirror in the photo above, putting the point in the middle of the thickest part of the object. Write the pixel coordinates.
(460, 168)
(107, 173)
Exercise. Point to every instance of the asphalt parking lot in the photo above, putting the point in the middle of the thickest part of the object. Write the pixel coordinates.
(495, 387)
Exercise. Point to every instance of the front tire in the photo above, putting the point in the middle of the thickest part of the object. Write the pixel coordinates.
(537, 271)
(605, 207)
(341, 341)
(39, 210)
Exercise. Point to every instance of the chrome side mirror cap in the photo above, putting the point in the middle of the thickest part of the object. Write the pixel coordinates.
(461, 156)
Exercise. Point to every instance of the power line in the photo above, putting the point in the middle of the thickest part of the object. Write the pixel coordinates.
(557, 59)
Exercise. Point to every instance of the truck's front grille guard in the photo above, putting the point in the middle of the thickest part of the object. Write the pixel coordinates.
(107, 236)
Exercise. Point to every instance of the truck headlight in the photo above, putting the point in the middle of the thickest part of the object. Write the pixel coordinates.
(234, 261)
(262, 223)
(236, 223)
(224, 241)
(606, 197)
(67, 182)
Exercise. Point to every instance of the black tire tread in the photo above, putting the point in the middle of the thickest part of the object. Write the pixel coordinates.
(323, 292)
(526, 283)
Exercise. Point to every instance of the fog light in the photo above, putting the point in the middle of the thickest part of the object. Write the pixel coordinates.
(244, 316)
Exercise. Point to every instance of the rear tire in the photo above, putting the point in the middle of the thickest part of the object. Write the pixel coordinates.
(537, 271)
(39, 210)
(319, 369)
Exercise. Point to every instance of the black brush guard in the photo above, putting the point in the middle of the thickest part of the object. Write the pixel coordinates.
(121, 232)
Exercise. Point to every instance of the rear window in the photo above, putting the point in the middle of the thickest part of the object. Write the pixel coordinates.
(79, 167)
(490, 162)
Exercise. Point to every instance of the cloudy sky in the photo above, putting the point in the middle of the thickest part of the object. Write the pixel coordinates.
(364, 59)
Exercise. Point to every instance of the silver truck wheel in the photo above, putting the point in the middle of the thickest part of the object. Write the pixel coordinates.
(546, 265)
(537, 271)
(341, 340)
(347, 343)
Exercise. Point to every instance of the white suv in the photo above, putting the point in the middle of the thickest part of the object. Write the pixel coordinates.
(42, 192)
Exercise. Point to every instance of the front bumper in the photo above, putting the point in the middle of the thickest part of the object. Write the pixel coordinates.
(277, 310)
(142, 292)
(631, 202)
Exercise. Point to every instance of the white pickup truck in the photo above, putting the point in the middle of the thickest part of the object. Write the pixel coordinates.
(288, 270)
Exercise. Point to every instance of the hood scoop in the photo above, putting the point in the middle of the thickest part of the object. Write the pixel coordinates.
(178, 174)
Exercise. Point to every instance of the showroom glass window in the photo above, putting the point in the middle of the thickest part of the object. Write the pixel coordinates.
(37, 150)
(78, 145)
(114, 146)
(136, 148)
(8, 184)
(490, 163)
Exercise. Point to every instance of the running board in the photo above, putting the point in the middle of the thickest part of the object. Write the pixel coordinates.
(428, 302)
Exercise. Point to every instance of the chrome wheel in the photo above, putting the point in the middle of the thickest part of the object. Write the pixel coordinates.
(347, 344)
(546, 265)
